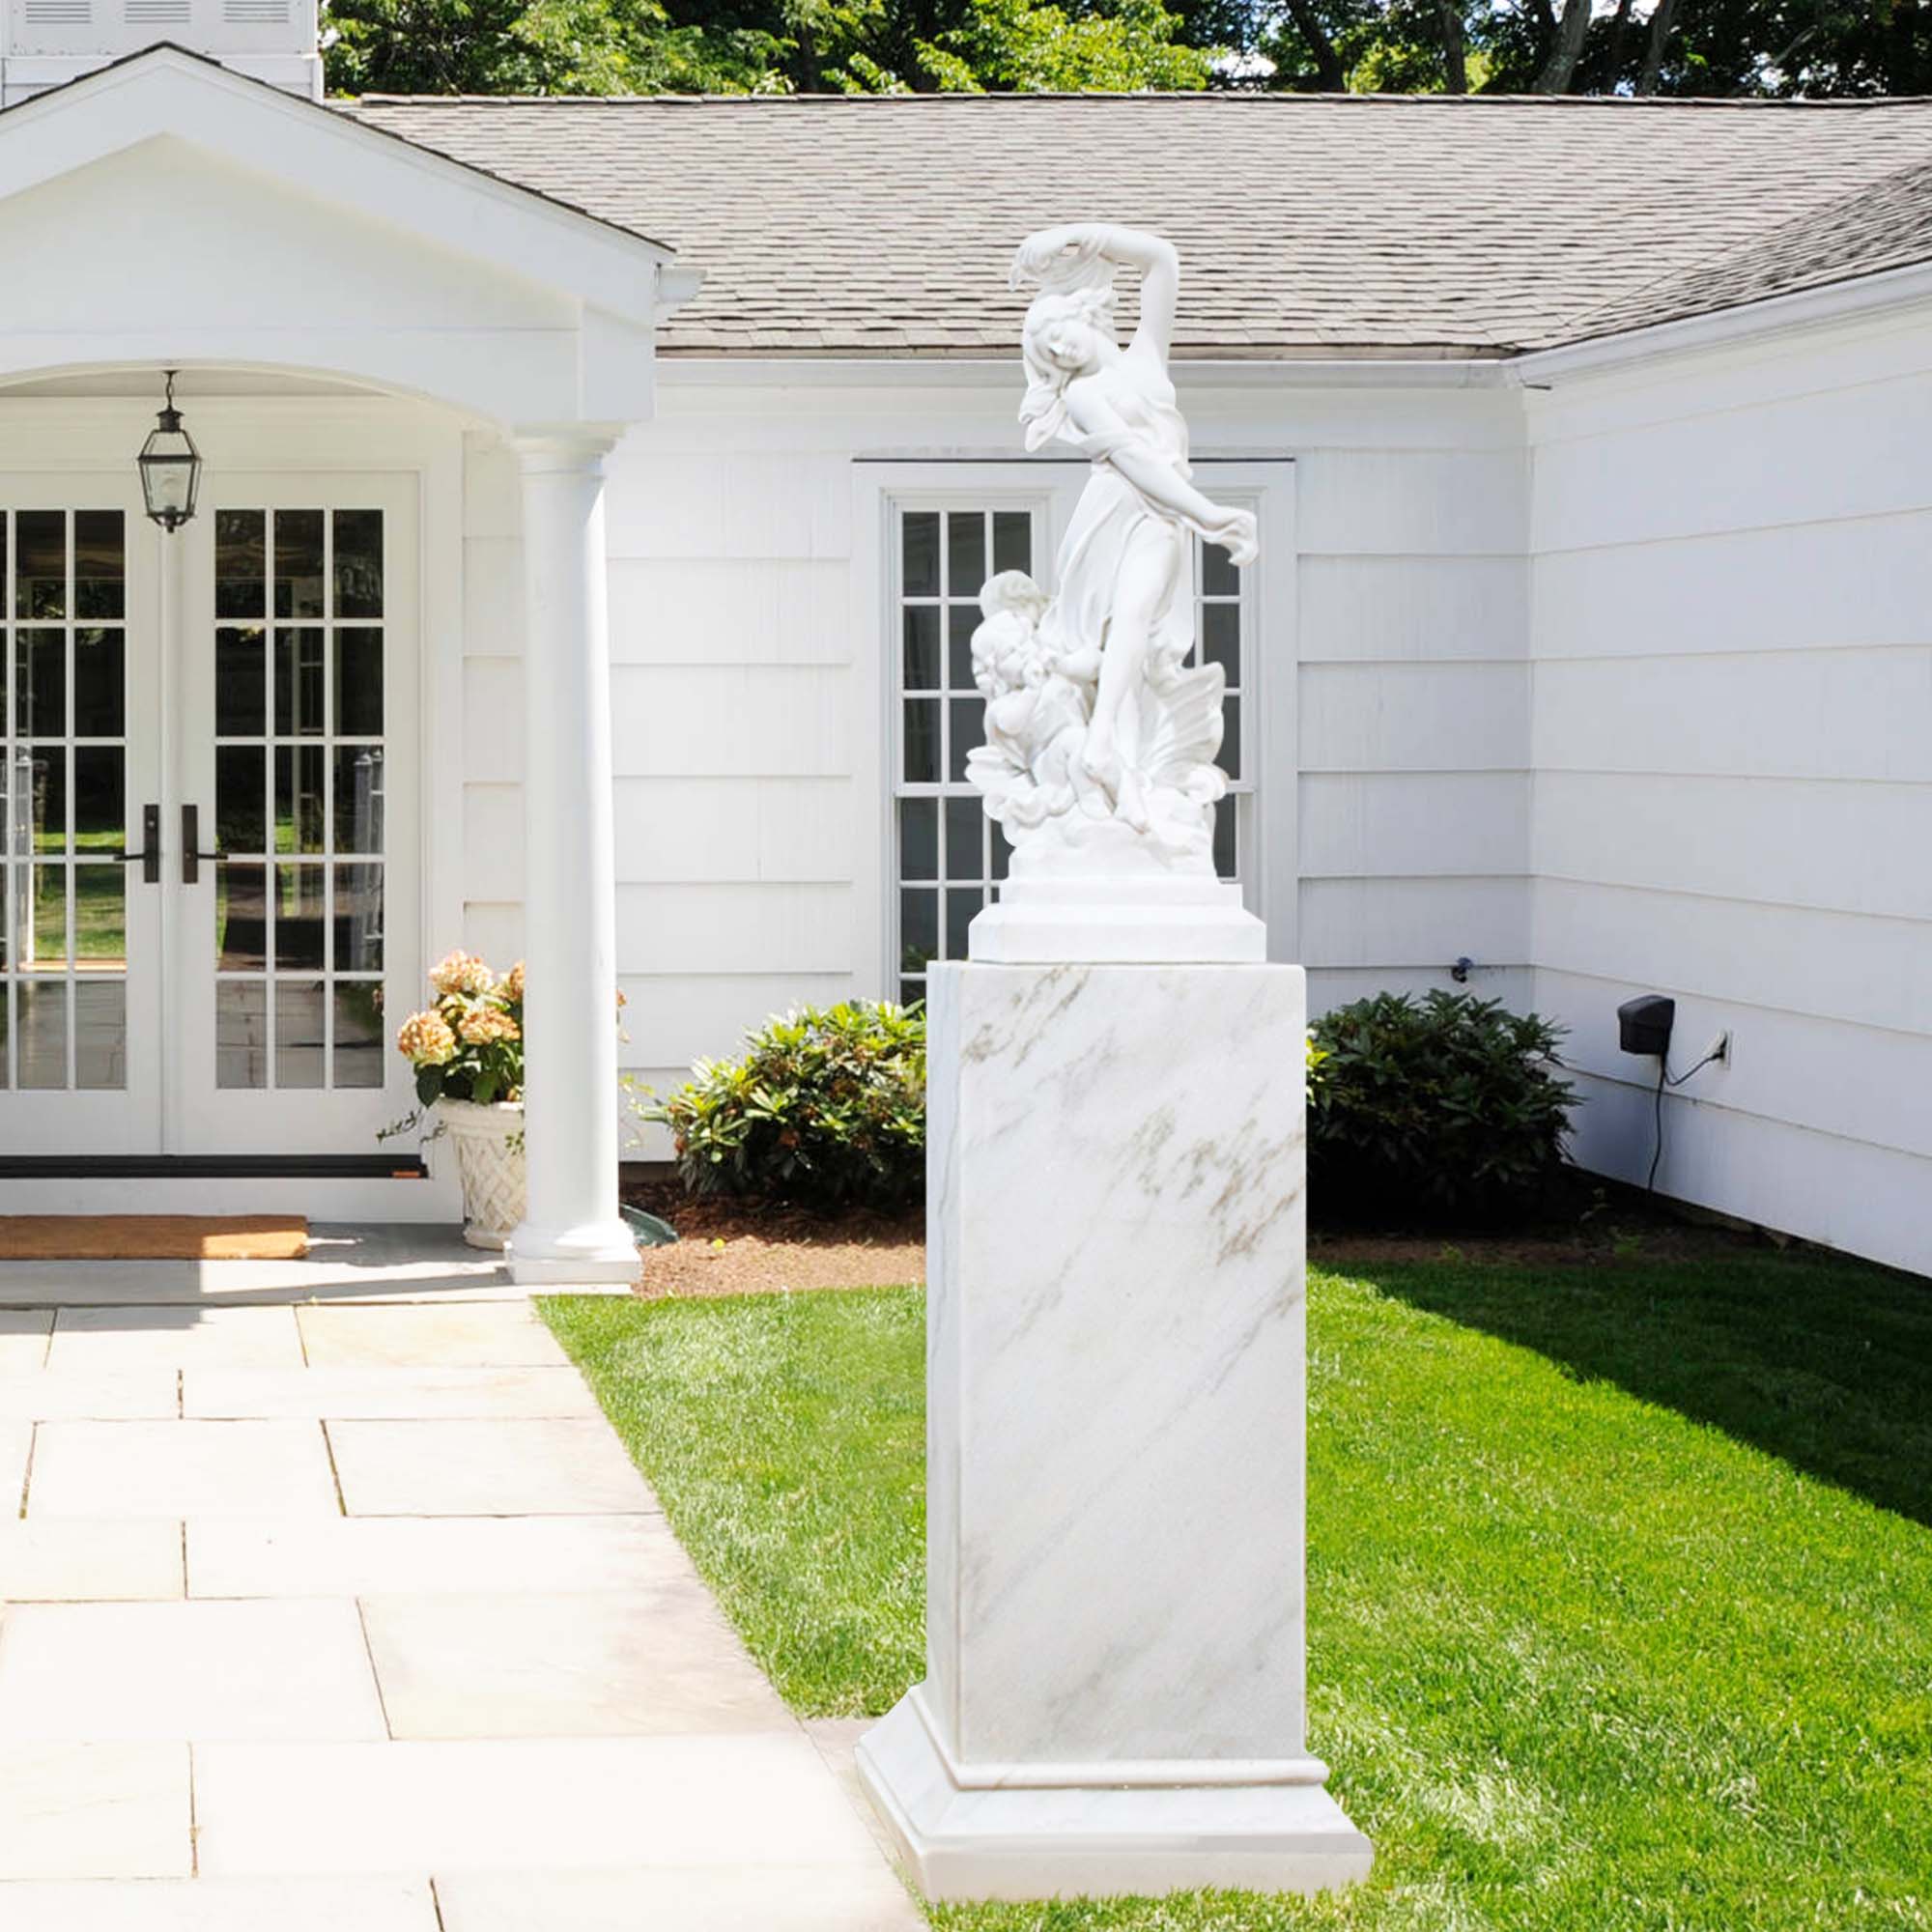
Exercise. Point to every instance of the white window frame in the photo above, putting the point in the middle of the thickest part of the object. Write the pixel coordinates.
(1050, 488)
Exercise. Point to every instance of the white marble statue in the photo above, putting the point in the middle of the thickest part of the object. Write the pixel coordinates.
(1100, 736)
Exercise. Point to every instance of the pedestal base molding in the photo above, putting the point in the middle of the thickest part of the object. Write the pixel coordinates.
(962, 1841)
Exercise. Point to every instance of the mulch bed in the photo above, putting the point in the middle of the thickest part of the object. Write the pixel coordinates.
(742, 1248)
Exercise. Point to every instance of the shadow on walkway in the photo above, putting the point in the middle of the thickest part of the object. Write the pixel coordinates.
(1826, 1364)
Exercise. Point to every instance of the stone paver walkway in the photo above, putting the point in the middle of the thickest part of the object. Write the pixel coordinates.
(356, 1612)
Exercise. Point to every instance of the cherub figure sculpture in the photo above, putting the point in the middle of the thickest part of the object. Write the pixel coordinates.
(1101, 737)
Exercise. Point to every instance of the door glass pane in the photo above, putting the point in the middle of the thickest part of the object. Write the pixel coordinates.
(49, 927)
(101, 1034)
(965, 819)
(100, 918)
(298, 563)
(241, 918)
(100, 565)
(358, 918)
(40, 564)
(299, 684)
(62, 804)
(40, 684)
(240, 564)
(43, 774)
(240, 684)
(300, 1033)
(918, 839)
(41, 1008)
(356, 1057)
(358, 684)
(99, 685)
(99, 798)
(358, 798)
(358, 563)
(305, 790)
(242, 1033)
(298, 799)
(300, 914)
(921, 647)
(241, 795)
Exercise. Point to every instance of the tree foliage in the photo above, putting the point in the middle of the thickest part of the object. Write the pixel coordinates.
(1713, 47)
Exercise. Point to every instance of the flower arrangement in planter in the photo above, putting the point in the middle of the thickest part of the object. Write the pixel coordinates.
(467, 1052)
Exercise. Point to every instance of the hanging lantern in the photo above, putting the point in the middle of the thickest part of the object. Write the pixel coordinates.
(170, 468)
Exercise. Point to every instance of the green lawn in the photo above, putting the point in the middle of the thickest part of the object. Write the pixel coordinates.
(1620, 1577)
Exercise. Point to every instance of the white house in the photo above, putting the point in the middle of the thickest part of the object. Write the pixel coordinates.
(596, 491)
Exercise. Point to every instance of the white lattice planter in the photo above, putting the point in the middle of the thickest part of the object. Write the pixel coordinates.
(488, 1143)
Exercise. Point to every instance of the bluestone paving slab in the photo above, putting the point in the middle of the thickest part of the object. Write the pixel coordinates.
(700, 1898)
(384, 1394)
(371, 1556)
(72, 1560)
(23, 1339)
(94, 1810)
(180, 1469)
(504, 1467)
(141, 1673)
(222, 1905)
(97, 1339)
(462, 1335)
(607, 1664)
(81, 1394)
(520, 1805)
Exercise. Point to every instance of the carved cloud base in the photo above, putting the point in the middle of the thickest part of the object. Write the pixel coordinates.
(1190, 920)
(1114, 1691)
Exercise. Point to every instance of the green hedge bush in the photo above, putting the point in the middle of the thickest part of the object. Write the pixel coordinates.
(1443, 1109)
(826, 1108)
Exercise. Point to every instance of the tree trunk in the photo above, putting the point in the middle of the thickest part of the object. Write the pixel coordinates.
(1561, 66)
(1327, 62)
(1653, 54)
(1613, 66)
(1455, 46)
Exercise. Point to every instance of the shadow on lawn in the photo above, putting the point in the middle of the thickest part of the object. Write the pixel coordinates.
(1826, 1364)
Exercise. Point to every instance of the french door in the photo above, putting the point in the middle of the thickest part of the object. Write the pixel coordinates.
(80, 941)
(213, 825)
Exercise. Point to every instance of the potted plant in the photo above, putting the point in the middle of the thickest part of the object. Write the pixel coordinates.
(468, 1051)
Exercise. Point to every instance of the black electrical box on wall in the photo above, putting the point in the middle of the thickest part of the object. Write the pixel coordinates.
(1644, 1023)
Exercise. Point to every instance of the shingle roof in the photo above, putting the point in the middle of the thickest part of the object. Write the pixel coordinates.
(1307, 224)
(1883, 225)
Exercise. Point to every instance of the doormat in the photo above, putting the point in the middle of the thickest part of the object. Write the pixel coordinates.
(153, 1238)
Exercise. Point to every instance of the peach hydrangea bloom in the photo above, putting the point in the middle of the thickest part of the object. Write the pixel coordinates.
(426, 1040)
(512, 987)
(482, 1024)
(462, 972)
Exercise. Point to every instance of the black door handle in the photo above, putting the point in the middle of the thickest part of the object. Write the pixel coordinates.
(149, 858)
(192, 853)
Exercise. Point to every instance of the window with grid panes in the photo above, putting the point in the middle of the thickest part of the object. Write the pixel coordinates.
(950, 857)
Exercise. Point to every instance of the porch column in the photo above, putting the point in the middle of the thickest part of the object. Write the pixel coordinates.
(570, 1230)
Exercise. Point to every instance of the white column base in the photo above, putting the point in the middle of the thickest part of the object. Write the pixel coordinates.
(961, 1841)
(603, 1252)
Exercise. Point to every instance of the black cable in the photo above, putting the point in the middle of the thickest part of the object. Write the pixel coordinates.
(1664, 1080)
(1656, 1146)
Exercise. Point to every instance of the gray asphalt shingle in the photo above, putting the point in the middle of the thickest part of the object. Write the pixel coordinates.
(1421, 224)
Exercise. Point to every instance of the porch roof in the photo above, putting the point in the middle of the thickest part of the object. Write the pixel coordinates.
(1308, 225)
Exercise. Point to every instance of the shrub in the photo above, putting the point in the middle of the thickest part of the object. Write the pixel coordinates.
(825, 1108)
(1444, 1108)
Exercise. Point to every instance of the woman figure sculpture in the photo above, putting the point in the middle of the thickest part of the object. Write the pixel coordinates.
(1120, 627)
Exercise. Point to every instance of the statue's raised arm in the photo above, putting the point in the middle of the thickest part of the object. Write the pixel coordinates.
(1099, 759)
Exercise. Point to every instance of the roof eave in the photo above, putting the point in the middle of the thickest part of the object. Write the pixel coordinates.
(1874, 294)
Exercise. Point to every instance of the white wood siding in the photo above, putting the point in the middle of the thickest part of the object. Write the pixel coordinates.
(750, 790)
(1731, 724)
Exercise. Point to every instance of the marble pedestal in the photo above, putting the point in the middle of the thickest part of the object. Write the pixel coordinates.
(1114, 1690)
